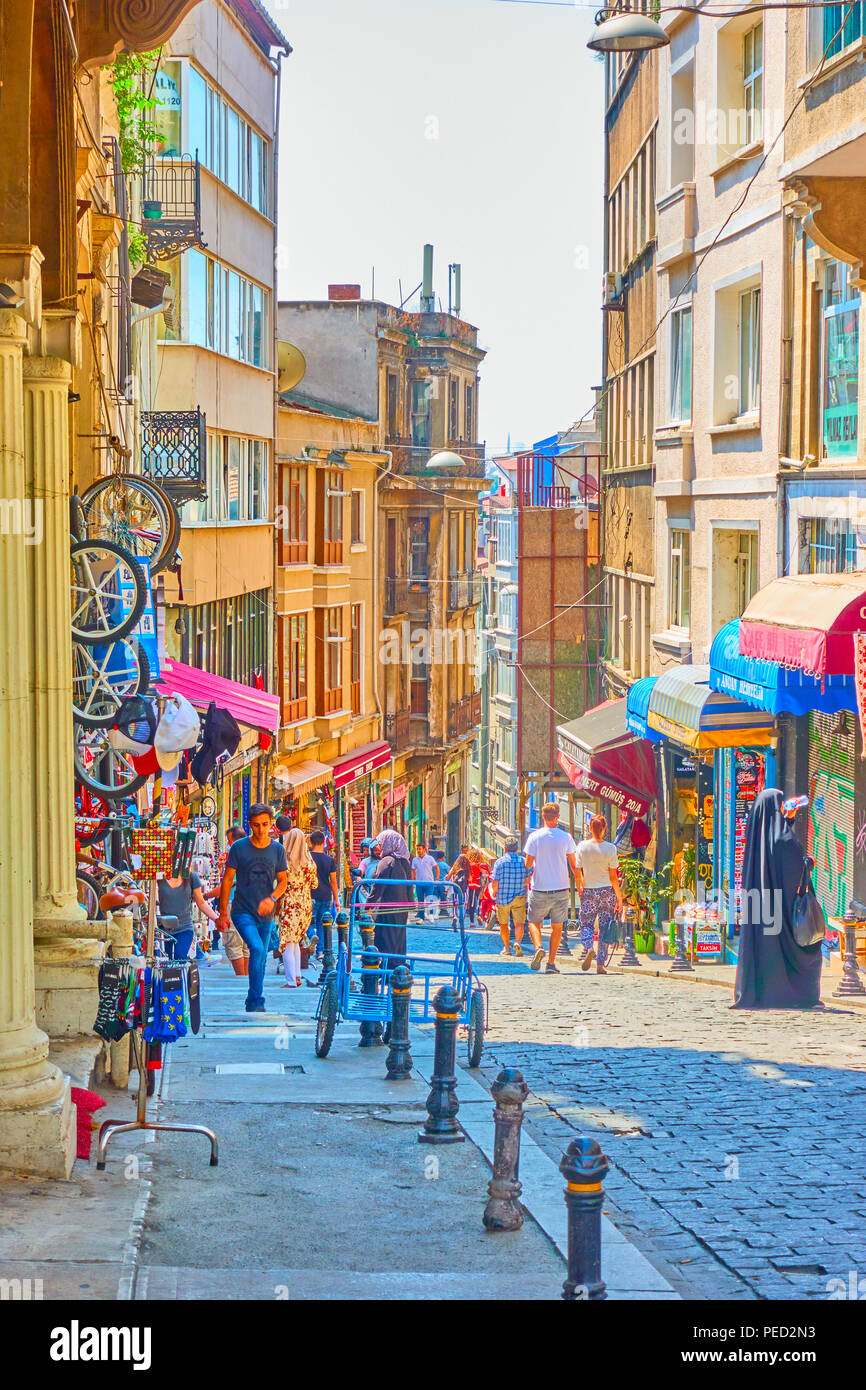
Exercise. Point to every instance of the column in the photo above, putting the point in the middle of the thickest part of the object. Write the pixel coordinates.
(37, 1130)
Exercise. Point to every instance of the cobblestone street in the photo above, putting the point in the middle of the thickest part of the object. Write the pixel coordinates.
(736, 1139)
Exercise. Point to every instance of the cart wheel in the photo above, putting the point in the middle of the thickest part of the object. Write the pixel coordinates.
(476, 1028)
(326, 1018)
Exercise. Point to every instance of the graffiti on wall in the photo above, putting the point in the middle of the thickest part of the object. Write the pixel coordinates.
(831, 841)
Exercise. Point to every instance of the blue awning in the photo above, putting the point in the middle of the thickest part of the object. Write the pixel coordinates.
(766, 685)
(636, 706)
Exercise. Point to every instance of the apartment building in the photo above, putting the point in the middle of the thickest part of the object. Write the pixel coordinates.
(719, 265)
(415, 372)
(628, 363)
(208, 401)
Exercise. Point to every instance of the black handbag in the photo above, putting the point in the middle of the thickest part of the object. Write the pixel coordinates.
(807, 915)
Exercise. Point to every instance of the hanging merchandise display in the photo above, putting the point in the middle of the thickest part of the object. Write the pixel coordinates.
(221, 736)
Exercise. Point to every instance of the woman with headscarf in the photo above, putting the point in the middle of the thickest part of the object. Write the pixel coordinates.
(773, 972)
(295, 907)
(388, 902)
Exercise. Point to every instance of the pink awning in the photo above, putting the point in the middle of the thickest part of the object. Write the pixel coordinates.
(363, 760)
(806, 621)
(255, 708)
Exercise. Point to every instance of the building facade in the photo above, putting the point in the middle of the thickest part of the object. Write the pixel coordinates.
(416, 374)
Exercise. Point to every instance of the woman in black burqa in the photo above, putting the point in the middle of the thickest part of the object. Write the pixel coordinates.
(773, 972)
(388, 903)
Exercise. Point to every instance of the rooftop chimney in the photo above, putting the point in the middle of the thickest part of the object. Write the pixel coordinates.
(336, 292)
(428, 298)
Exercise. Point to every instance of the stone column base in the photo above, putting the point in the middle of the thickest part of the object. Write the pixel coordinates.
(40, 1142)
(67, 984)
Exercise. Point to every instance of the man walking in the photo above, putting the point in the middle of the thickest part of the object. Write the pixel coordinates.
(325, 894)
(256, 868)
(424, 875)
(550, 853)
(508, 879)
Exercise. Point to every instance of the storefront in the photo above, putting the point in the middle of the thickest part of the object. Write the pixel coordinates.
(352, 814)
(299, 790)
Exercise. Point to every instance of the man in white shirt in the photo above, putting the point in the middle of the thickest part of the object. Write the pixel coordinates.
(425, 872)
(550, 853)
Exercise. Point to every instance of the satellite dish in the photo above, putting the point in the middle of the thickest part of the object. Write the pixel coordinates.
(291, 365)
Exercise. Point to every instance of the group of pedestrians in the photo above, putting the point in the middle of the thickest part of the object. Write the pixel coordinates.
(533, 887)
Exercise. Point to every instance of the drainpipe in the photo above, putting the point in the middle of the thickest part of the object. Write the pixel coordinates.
(376, 485)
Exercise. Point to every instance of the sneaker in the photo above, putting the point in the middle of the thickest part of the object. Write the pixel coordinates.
(550, 969)
(518, 950)
(506, 951)
(535, 963)
(588, 959)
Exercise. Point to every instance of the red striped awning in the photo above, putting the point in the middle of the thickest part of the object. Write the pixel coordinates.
(256, 708)
(357, 764)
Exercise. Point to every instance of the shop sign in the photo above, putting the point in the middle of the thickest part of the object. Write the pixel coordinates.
(145, 628)
(575, 753)
(598, 787)
(395, 797)
(840, 381)
(709, 941)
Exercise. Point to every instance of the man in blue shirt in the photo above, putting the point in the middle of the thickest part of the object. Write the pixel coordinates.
(508, 879)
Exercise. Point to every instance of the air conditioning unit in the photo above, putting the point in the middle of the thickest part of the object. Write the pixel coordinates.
(613, 287)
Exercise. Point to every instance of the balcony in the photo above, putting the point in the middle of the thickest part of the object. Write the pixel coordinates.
(171, 206)
(398, 729)
(458, 592)
(410, 460)
(476, 589)
(464, 716)
(396, 595)
(174, 452)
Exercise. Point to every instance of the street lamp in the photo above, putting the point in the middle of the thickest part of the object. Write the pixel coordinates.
(443, 461)
(628, 32)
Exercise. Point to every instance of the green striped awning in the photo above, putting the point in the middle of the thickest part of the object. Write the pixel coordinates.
(684, 708)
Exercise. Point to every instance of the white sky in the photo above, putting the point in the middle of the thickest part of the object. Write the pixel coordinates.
(511, 185)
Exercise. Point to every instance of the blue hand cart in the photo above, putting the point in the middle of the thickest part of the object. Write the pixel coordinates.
(362, 991)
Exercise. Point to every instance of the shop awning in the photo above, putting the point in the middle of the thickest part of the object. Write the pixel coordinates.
(255, 708)
(601, 758)
(806, 621)
(636, 709)
(305, 776)
(767, 685)
(684, 708)
(357, 764)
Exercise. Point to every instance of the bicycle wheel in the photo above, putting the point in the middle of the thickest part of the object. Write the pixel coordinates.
(134, 513)
(77, 519)
(103, 677)
(88, 896)
(108, 591)
(102, 768)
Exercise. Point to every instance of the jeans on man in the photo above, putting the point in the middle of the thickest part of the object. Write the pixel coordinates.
(177, 946)
(426, 893)
(255, 931)
(319, 911)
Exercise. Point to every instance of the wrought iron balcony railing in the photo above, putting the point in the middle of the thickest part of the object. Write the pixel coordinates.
(464, 716)
(171, 206)
(398, 729)
(174, 452)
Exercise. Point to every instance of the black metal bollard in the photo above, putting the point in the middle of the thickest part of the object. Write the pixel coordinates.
(584, 1167)
(851, 983)
(564, 948)
(442, 1102)
(629, 954)
(367, 930)
(399, 1063)
(681, 961)
(503, 1211)
(342, 920)
(370, 1029)
(328, 961)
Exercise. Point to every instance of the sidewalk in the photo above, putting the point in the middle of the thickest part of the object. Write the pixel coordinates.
(322, 1189)
(724, 976)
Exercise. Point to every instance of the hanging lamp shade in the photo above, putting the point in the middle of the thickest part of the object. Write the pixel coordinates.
(630, 32)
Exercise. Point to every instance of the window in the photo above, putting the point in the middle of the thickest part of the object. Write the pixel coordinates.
(835, 34)
(332, 515)
(469, 412)
(223, 311)
(840, 375)
(215, 131)
(422, 392)
(454, 544)
(419, 547)
(681, 365)
(747, 568)
(292, 518)
(355, 656)
(679, 579)
(333, 659)
(357, 517)
(749, 332)
(232, 476)
(229, 637)
(293, 661)
(453, 397)
(257, 506)
(392, 403)
(829, 546)
(753, 82)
